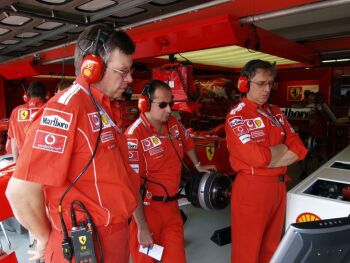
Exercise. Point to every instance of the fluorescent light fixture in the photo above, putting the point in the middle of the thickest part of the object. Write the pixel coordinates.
(343, 59)
(336, 60)
(54, 77)
(228, 57)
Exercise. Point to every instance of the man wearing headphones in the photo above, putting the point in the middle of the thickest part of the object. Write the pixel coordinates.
(75, 151)
(261, 144)
(157, 143)
(23, 114)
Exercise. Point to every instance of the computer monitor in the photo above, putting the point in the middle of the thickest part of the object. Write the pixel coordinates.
(321, 241)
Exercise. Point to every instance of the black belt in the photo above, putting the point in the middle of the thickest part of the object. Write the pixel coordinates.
(165, 198)
(281, 178)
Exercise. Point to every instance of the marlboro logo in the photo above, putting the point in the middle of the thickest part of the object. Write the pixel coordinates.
(302, 113)
(56, 119)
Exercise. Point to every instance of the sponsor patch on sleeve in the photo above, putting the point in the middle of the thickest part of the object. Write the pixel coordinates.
(238, 108)
(234, 121)
(50, 142)
(56, 119)
(150, 143)
(133, 156)
(132, 144)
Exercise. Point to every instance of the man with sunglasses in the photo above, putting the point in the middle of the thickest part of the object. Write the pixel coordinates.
(157, 143)
(75, 145)
(261, 144)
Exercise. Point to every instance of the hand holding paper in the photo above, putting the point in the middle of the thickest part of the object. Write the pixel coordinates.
(156, 252)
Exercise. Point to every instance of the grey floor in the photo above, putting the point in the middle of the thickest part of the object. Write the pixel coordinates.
(199, 227)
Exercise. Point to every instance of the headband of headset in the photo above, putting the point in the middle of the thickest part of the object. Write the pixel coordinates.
(93, 66)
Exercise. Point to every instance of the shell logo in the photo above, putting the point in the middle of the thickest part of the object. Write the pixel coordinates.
(155, 140)
(307, 217)
(104, 119)
(258, 123)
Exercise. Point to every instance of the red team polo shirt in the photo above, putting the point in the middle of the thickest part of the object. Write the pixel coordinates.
(20, 119)
(152, 155)
(249, 135)
(61, 140)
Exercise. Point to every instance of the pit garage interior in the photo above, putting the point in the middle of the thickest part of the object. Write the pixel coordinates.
(201, 46)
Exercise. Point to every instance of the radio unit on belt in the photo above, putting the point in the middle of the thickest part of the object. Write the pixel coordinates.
(83, 244)
(80, 243)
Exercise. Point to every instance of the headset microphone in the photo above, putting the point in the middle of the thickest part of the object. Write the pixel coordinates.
(127, 94)
(92, 66)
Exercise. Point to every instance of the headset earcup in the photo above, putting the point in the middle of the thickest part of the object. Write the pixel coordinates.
(243, 85)
(92, 68)
(143, 103)
(25, 97)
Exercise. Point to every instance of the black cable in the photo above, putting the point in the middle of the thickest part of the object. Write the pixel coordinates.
(153, 182)
(183, 83)
(177, 153)
(184, 165)
(187, 60)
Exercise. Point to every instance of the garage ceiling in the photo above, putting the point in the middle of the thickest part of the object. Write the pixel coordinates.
(30, 26)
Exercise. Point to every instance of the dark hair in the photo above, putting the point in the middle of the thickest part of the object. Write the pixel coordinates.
(36, 89)
(63, 84)
(252, 66)
(151, 87)
(110, 39)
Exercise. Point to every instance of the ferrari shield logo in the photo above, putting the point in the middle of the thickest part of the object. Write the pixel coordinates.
(24, 114)
(210, 151)
(82, 240)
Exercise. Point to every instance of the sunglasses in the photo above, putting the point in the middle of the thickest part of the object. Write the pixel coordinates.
(164, 104)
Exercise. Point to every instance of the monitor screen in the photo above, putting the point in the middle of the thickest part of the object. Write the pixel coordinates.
(321, 241)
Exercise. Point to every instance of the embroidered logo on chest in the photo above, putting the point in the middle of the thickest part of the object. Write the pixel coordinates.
(234, 121)
(254, 124)
(94, 120)
(150, 143)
